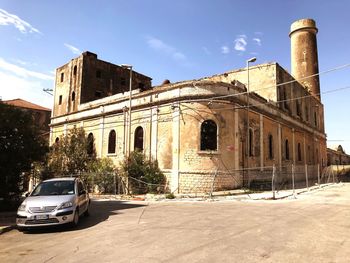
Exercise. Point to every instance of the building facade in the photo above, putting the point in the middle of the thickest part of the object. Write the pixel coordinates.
(218, 129)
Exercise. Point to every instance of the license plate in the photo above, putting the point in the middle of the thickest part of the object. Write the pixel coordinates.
(40, 217)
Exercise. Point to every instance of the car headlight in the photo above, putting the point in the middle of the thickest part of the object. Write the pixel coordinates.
(22, 207)
(65, 205)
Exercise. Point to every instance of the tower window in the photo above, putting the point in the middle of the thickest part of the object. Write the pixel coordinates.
(57, 140)
(141, 87)
(60, 100)
(208, 136)
(73, 96)
(111, 141)
(62, 77)
(315, 118)
(138, 139)
(75, 70)
(270, 147)
(98, 94)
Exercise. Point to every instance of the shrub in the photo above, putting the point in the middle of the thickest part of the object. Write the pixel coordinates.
(144, 175)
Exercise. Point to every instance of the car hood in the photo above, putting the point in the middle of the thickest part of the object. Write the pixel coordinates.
(55, 200)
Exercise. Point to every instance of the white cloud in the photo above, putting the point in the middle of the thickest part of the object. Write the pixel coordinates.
(225, 50)
(240, 43)
(164, 48)
(13, 87)
(22, 72)
(11, 19)
(257, 40)
(73, 49)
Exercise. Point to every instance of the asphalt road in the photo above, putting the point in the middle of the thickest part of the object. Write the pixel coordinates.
(313, 228)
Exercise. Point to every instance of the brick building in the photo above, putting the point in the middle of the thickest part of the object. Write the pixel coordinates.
(41, 115)
(218, 128)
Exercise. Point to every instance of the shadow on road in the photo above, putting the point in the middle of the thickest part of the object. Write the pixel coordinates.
(99, 211)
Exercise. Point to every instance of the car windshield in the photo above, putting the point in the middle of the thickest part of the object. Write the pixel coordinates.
(54, 188)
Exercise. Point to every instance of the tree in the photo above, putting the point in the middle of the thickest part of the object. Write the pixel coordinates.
(69, 155)
(20, 145)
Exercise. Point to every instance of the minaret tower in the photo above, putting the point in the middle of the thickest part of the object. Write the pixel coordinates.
(304, 57)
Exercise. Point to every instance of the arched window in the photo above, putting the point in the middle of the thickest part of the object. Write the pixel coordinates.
(287, 149)
(138, 139)
(209, 136)
(111, 141)
(57, 140)
(75, 70)
(73, 96)
(251, 143)
(299, 152)
(270, 147)
(90, 144)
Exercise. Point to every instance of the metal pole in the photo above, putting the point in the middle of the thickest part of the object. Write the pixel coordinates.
(247, 136)
(115, 186)
(273, 181)
(318, 176)
(306, 177)
(293, 182)
(130, 98)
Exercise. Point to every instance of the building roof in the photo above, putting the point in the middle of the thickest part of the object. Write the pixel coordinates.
(25, 104)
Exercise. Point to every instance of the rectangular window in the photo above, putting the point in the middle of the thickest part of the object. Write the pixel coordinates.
(62, 77)
(60, 100)
(123, 81)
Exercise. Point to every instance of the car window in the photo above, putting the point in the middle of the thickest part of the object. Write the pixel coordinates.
(54, 188)
(80, 187)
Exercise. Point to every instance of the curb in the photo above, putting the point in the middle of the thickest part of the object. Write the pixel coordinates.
(4, 229)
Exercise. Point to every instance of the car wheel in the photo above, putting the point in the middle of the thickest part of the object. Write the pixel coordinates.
(75, 221)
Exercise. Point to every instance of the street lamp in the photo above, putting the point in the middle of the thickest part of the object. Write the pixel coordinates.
(253, 59)
(129, 67)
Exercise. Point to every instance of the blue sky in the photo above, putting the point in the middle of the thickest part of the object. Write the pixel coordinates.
(175, 40)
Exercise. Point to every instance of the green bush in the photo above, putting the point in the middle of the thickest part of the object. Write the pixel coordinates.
(102, 174)
(144, 175)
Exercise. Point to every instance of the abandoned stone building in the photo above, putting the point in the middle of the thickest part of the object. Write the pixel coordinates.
(232, 127)
(336, 155)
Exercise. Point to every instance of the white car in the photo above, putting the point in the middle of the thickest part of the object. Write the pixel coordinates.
(54, 202)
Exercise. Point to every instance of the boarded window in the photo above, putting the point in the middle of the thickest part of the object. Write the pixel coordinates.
(208, 136)
(111, 141)
(138, 140)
